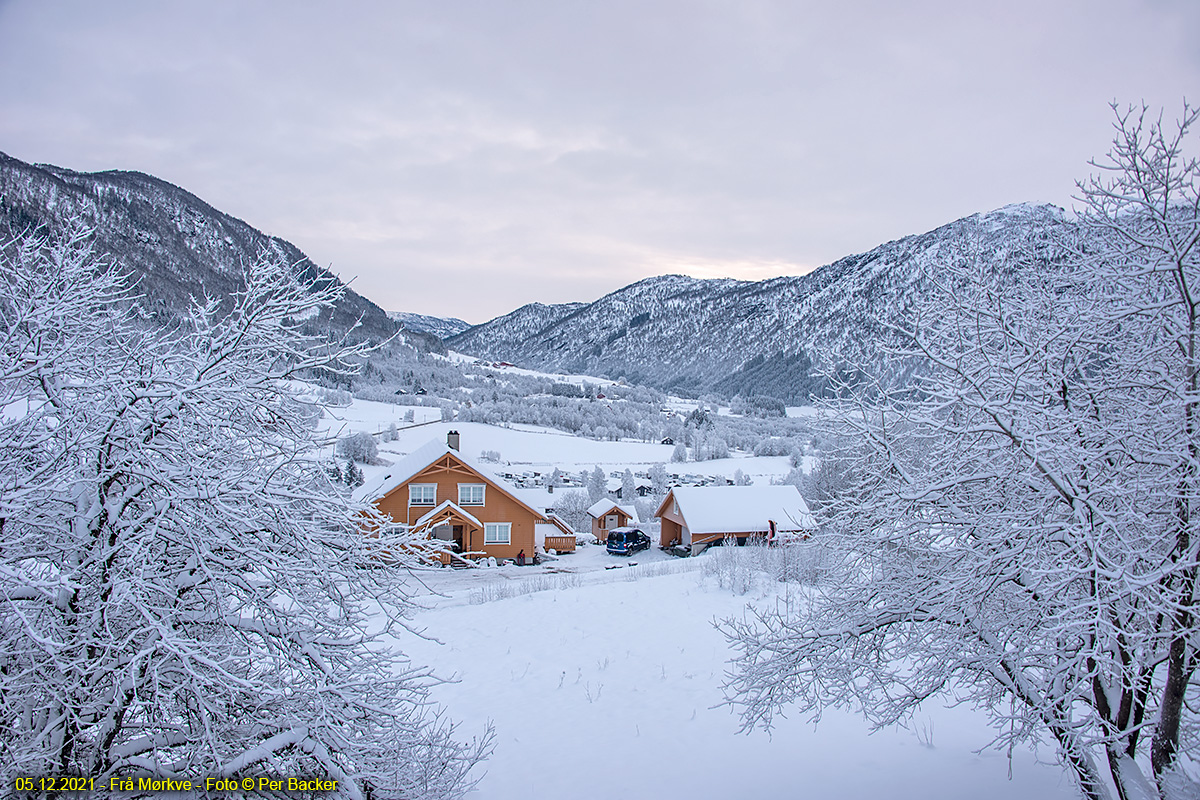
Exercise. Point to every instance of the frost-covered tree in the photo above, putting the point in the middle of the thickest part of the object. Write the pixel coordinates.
(597, 484)
(1023, 531)
(628, 486)
(184, 590)
(679, 454)
(359, 446)
(659, 479)
(572, 507)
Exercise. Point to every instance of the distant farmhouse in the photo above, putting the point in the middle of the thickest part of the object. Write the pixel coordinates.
(697, 516)
(439, 491)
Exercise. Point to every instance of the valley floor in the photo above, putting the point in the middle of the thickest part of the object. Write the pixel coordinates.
(605, 683)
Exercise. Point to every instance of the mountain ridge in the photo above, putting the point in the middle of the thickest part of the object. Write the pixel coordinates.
(693, 335)
(173, 243)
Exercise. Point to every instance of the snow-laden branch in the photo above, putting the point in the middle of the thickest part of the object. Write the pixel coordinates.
(184, 587)
(1024, 524)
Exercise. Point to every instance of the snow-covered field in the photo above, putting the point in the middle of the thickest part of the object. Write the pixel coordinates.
(529, 446)
(606, 684)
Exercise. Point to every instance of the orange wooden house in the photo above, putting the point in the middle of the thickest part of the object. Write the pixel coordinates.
(441, 492)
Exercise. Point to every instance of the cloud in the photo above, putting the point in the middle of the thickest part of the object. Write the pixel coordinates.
(465, 158)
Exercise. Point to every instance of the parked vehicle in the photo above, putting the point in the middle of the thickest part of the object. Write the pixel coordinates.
(626, 541)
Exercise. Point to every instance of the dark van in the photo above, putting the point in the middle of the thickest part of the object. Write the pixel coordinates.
(627, 541)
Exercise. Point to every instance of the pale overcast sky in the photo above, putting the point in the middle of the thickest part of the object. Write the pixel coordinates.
(464, 158)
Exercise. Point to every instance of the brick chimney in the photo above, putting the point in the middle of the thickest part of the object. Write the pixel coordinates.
(452, 440)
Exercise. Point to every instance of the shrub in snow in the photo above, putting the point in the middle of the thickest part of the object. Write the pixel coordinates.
(184, 591)
(680, 454)
(359, 446)
(729, 566)
(740, 568)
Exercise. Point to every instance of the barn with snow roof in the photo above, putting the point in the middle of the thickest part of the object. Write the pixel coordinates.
(697, 516)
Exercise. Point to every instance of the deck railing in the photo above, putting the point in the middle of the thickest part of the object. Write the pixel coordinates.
(561, 544)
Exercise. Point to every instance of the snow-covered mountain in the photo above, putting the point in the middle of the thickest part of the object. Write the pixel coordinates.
(173, 243)
(729, 336)
(441, 327)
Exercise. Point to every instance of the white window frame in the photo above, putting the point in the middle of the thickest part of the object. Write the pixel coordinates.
(492, 531)
(482, 487)
(416, 494)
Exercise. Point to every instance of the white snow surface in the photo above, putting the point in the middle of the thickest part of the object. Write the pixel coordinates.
(713, 509)
(606, 684)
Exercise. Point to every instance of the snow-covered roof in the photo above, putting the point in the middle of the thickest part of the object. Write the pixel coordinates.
(451, 505)
(604, 505)
(402, 471)
(718, 509)
(536, 497)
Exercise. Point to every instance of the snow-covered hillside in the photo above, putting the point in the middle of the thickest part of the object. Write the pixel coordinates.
(176, 246)
(675, 332)
(441, 327)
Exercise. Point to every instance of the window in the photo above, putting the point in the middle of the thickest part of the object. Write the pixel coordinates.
(497, 532)
(470, 494)
(422, 494)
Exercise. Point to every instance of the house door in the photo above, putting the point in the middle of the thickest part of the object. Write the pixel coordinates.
(458, 538)
(611, 521)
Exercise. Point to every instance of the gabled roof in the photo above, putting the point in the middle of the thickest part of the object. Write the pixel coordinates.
(719, 509)
(425, 456)
(454, 508)
(604, 505)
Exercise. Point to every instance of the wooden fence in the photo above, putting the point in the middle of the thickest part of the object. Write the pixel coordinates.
(560, 544)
